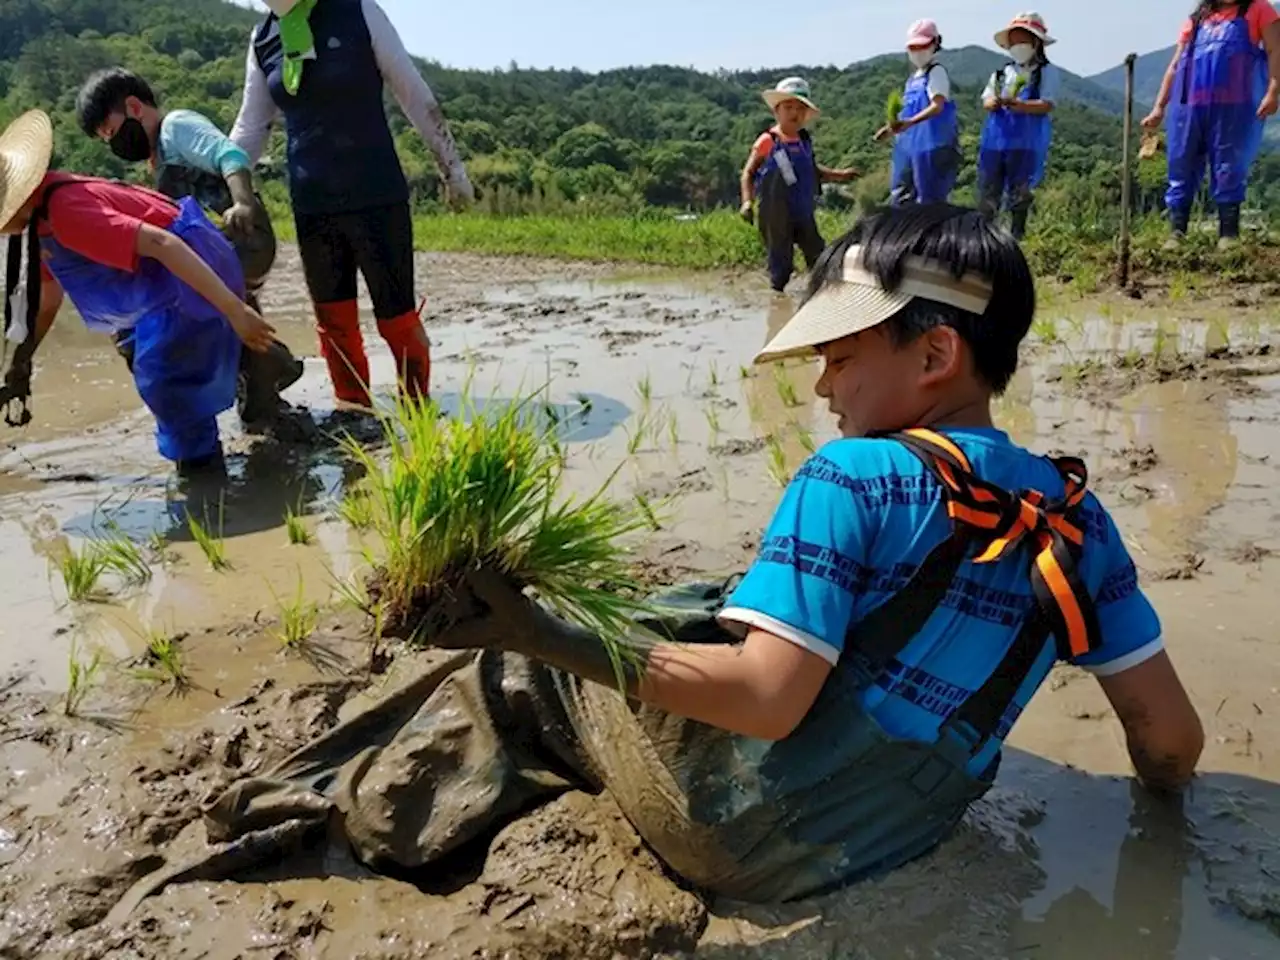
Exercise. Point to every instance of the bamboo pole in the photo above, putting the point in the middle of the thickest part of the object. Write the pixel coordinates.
(1126, 183)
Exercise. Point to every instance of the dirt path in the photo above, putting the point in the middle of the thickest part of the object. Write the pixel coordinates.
(1175, 414)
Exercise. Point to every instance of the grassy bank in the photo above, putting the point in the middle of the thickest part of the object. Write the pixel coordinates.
(1083, 255)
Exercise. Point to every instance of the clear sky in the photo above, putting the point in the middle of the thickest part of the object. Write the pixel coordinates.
(1093, 35)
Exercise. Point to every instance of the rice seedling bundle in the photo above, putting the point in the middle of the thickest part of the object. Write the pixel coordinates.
(487, 486)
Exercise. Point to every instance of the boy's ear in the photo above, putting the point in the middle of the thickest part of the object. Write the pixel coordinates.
(133, 107)
(942, 354)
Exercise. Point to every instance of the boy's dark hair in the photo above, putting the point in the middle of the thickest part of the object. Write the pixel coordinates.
(962, 239)
(105, 92)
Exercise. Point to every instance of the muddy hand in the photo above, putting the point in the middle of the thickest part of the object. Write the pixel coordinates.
(1267, 108)
(484, 609)
(255, 332)
(239, 220)
(1153, 120)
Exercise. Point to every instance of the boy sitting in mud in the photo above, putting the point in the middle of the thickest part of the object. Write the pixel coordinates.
(155, 274)
(190, 157)
(785, 176)
(834, 715)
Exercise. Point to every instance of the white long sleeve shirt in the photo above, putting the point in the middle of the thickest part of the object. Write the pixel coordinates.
(258, 111)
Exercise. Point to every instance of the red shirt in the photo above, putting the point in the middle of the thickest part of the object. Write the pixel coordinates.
(100, 219)
(1260, 16)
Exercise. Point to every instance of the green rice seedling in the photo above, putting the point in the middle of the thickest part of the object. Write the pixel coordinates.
(1045, 330)
(893, 107)
(713, 421)
(81, 676)
(584, 403)
(644, 388)
(296, 528)
(211, 544)
(806, 439)
(646, 508)
(1180, 286)
(715, 376)
(778, 462)
(298, 619)
(123, 557)
(164, 661)
(1019, 85)
(484, 487)
(744, 373)
(357, 507)
(82, 572)
(673, 430)
(786, 389)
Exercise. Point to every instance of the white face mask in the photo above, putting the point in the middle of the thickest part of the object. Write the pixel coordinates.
(920, 58)
(1022, 52)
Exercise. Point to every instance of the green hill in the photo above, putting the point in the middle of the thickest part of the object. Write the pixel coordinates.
(615, 140)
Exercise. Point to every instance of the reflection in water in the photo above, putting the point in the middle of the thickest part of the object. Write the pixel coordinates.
(1187, 425)
(1145, 919)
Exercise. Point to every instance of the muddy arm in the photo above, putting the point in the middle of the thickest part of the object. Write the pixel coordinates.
(761, 688)
(1163, 731)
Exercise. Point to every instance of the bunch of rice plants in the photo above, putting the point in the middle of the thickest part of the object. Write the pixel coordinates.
(893, 107)
(486, 486)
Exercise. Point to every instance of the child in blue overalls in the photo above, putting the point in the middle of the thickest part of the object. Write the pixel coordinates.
(785, 176)
(1218, 93)
(926, 151)
(1019, 101)
(157, 275)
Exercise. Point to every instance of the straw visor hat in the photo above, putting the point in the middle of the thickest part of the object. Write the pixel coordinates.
(858, 302)
(792, 88)
(25, 148)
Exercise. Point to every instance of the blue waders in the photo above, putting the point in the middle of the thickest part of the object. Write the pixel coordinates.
(926, 158)
(183, 354)
(1012, 155)
(1212, 119)
(787, 188)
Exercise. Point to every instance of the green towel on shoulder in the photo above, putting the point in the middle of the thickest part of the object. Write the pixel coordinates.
(299, 45)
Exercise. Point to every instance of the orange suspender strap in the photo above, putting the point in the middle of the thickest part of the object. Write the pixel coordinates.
(1000, 521)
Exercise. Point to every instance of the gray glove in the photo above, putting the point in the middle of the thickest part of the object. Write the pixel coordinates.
(486, 611)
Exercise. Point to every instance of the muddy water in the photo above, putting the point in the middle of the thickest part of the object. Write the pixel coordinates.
(1063, 861)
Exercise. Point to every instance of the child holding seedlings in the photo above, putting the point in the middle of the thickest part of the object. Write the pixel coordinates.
(833, 714)
(1221, 86)
(1019, 100)
(190, 157)
(154, 273)
(926, 150)
(783, 174)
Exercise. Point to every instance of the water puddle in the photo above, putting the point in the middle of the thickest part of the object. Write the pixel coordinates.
(656, 373)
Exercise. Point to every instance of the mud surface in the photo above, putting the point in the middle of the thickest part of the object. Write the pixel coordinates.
(1174, 408)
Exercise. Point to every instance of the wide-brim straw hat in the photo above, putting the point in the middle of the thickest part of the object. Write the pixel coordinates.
(25, 149)
(792, 88)
(1031, 22)
(858, 302)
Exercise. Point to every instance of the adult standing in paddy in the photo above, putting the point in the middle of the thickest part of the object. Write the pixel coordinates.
(323, 64)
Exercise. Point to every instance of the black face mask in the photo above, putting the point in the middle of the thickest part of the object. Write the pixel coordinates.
(130, 142)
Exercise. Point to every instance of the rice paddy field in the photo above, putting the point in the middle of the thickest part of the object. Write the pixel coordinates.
(602, 424)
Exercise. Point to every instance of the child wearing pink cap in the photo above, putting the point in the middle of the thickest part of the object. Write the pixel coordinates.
(926, 151)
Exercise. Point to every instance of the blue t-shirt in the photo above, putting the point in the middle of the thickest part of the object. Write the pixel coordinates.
(858, 519)
(191, 139)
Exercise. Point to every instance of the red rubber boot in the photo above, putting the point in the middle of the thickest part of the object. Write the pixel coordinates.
(342, 346)
(408, 342)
